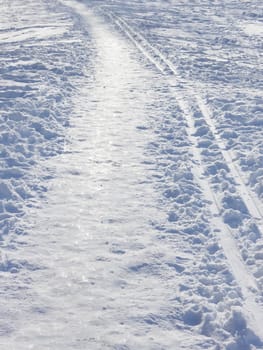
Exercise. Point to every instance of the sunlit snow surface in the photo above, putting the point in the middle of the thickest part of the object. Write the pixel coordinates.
(253, 28)
(131, 175)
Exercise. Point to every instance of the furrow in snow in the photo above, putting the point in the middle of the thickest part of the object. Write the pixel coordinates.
(132, 36)
(243, 277)
(225, 235)
(166, 66)
(252, 202)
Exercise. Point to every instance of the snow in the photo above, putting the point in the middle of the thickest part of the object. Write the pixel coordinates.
(30, 34)
(131, 211)
(253, 28)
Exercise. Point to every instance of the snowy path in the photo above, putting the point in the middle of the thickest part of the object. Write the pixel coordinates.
(133, 245)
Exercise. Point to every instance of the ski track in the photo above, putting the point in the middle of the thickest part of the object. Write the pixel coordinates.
(121, 251)
(165, 66)
(253, 204)
(249, 287)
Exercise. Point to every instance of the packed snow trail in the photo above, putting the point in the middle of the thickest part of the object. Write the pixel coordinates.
(122, 252)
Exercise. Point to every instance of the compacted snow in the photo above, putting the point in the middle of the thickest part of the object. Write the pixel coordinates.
(131, 178)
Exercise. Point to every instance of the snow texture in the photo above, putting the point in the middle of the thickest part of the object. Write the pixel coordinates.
(131, 177)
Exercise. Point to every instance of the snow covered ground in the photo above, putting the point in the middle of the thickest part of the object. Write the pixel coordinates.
(131, 178)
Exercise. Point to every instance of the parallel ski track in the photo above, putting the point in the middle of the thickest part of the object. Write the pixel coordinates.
(246, 281)
(252, 202)
(165, 66)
